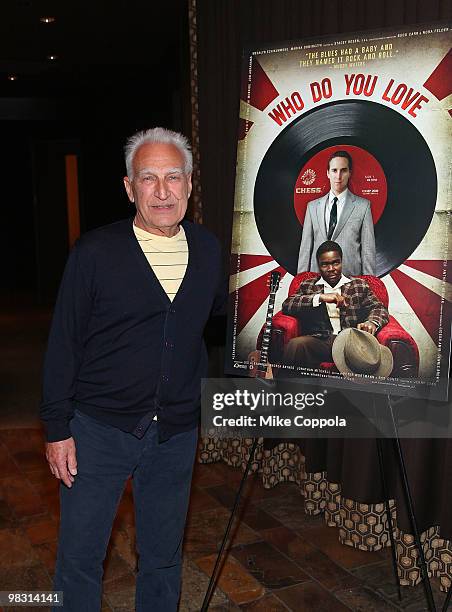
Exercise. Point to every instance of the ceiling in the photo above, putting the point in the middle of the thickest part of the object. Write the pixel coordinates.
(96, 42)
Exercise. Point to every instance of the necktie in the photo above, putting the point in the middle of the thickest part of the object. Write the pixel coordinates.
(333, 218)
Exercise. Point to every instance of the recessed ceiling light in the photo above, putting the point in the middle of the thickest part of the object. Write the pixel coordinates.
(52, 57)
(47, 19)
(12, 77)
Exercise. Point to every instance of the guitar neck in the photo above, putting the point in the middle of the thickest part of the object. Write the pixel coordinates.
(266, 336)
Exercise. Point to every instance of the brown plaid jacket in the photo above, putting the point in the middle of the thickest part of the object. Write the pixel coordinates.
(361, 303)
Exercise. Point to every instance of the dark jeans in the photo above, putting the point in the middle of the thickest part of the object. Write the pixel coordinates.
(161, 473)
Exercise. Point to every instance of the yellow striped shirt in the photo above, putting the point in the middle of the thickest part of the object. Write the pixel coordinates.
(168, 257)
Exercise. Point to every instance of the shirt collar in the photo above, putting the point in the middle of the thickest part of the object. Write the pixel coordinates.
(343, 281)
(340, 198)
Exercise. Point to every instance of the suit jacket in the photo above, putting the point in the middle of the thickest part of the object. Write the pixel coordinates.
(361, 305)
(354, 233)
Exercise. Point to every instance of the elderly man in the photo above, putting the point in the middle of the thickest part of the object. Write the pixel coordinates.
(327, 305)
(340, 216)
(122, 377)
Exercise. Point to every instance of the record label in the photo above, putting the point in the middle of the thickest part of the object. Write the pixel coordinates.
(367, 180)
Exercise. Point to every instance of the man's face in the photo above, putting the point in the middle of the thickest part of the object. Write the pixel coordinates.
(159, 188)
(330, 265)
(339, 174)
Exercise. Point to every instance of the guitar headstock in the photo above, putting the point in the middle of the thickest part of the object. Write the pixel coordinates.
(273, 281)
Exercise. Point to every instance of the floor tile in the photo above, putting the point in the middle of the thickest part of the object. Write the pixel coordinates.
(268, 565)
(314, 562)
(364, 599)
(201, 500)
(8, 467)
(46, 553)
(124, 543)
(267, 603)
(21, 497)
(28, 507)
(288, 509)
(205, 530)
(310, 597)
(194, 586)
(119, 584)
(122, 601)
(42, 531)
(258, 519)
(41, 476)
(25, 578)
(279, 537)
(224, 494)
(115, 566)
(15, 550)
(327, 540)
(238, 584)
(233, 475)
(7, 519)
(379, 577)
(207, 475)
(252, 491)
(105, 606)
(125, 514)
(18, 440)
(30, 460)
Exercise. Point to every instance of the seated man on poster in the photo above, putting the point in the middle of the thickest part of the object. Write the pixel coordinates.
(341, 216)
(328, 305)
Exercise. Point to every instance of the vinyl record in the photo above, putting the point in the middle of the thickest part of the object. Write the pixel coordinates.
(394, 142)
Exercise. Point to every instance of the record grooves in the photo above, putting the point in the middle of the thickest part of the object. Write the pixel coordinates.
(384, 133)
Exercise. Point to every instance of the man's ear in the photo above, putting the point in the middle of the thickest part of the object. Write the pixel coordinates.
(128, 186)
(189, 184)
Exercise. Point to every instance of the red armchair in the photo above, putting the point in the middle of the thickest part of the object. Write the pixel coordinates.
(401, 344)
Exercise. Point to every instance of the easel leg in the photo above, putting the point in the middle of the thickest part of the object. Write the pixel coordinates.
(213, 578)
(447, 600)
(409, 500)
(388, 516)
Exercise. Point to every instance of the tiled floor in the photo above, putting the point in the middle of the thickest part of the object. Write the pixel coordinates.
(279, 558)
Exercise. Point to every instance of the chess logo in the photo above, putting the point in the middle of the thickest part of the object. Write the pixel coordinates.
(308, 177)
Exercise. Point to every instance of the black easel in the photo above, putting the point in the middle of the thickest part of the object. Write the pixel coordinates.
(447, 600)
(410, 505)
(213, 578)
(386, 497)
(388, 516)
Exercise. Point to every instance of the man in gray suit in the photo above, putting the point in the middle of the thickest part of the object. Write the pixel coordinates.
(340, 216)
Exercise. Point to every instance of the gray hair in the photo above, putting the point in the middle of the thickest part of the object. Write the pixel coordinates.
(160, 135)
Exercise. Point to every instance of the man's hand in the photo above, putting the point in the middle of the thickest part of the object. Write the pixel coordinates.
(333, 298)
(62, 460)
(367, 326)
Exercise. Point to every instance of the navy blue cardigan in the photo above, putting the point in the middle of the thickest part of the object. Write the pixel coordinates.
(119, 350)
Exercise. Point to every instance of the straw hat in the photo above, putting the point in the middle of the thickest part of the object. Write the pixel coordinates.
(358, 352)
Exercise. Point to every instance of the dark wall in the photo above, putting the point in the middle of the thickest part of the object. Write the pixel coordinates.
(92, 121)
(225, 27)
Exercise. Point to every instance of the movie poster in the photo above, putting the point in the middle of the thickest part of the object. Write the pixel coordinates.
(385, 97)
